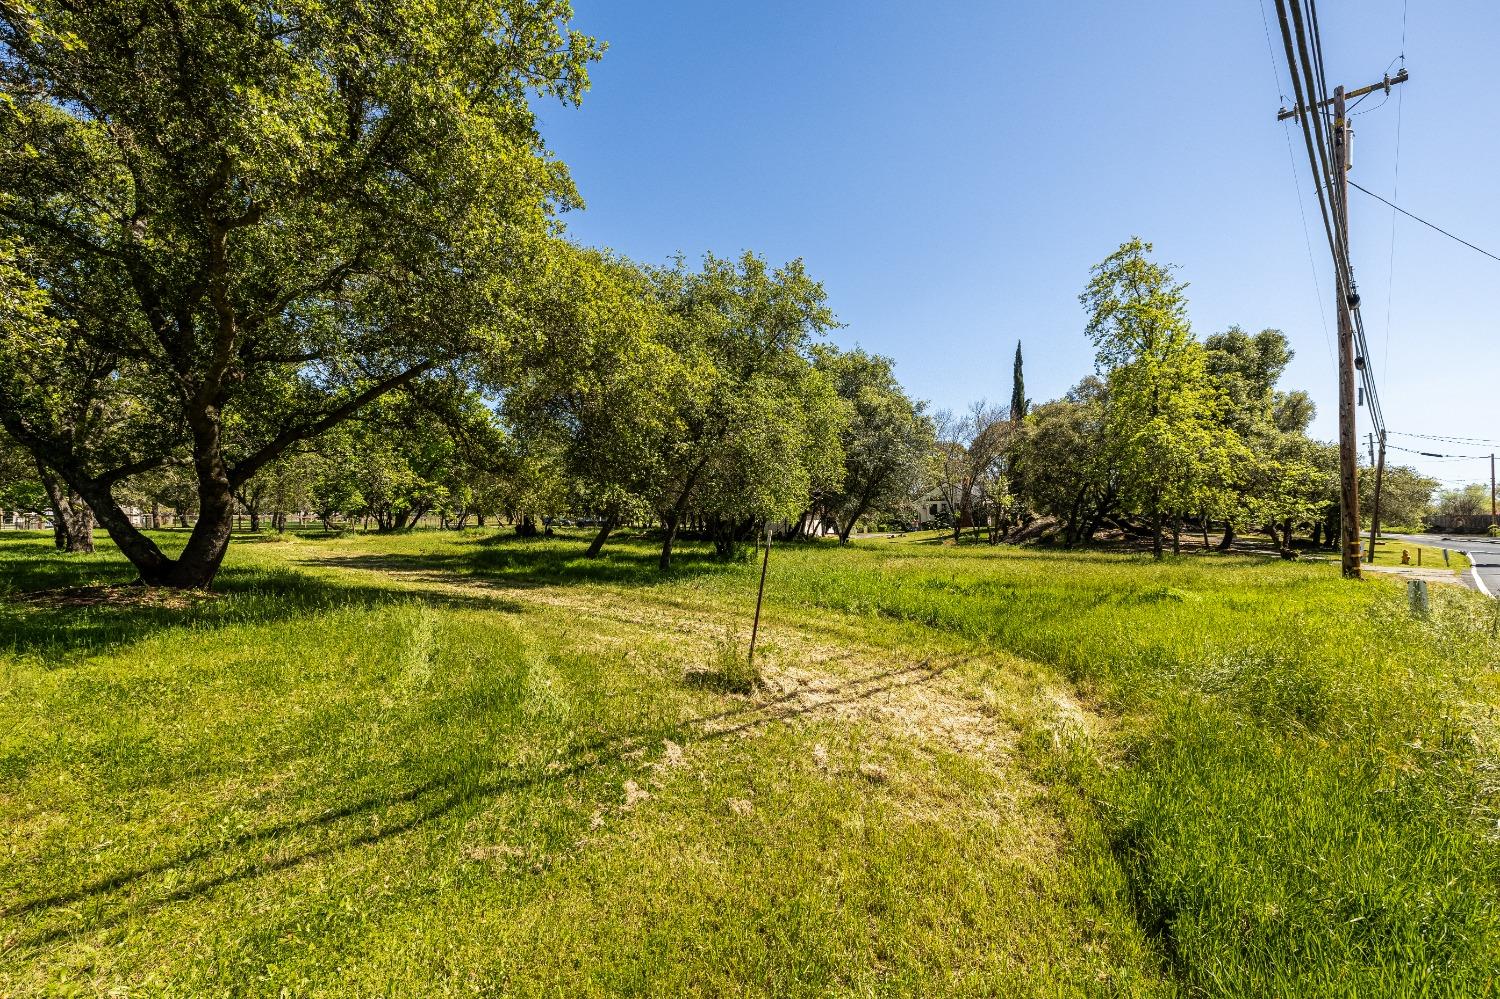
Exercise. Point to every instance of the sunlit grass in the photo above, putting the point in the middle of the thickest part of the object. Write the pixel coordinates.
(469, 764)
(1388, 551)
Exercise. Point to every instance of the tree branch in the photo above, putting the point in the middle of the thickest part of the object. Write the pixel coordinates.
(251, 464)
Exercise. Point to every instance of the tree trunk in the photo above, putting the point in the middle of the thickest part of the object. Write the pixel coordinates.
(1229, 537)
(478, 518)
(199, 562)
(1156, 525)
(1203, 523)
(526, 526)
(595, 546)
(848, 527)
(72, 520)
(674, 517)
(670, 523)
(1102, 509)
(1286, 537)
(1074, 526)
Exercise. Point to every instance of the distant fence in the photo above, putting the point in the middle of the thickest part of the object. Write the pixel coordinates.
(1461, 523)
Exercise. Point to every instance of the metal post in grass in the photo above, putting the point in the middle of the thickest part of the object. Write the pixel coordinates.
(1417, 598)
(760, 595)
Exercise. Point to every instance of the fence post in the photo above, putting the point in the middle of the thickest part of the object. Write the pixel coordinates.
(1417, 598)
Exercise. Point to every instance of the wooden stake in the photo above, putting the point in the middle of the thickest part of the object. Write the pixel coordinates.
(760, 594)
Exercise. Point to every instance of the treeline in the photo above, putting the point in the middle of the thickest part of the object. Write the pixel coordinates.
(309, 259)
(260, 255)
(1170, 435)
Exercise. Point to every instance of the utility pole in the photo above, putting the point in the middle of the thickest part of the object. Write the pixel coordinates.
(1493, 521)
(1348, 442)
(1375, 513)
(1348, 302)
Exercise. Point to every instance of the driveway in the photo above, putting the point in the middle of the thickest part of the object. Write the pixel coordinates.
(1483, 552)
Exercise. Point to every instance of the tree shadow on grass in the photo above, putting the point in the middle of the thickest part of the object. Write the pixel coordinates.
(432, 800)
(502, 561)
(57, 629)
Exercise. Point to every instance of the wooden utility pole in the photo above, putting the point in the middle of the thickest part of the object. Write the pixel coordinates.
(1375, 512)
(1493, 521)
(1348, 442)
(1347, 302)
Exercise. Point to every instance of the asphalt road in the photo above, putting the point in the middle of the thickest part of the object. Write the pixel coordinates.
(1484, 552)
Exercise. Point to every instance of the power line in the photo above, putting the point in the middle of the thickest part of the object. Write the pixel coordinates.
(1312, 263)
(1440, 457)
(1419, 218)
(1447, 439)
(1310, 90)
(1390, 285)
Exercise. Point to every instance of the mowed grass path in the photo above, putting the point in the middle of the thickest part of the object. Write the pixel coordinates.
(470, 765)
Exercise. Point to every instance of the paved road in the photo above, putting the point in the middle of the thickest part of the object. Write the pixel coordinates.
(1484, 552)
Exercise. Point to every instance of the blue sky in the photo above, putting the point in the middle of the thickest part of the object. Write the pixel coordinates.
(950, 171)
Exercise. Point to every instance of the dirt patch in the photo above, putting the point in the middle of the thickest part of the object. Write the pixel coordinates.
(810, 672)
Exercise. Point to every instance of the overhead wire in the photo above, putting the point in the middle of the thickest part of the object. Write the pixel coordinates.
(1447, 439)
(1430, 225)
(1302, 41)
(1305, 62)
(1390, 284)
(1312, 262)
(1439, 457)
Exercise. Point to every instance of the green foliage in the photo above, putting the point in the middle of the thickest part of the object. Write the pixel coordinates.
(1064, 463)
(603, 389)
(1405, 494)
(1019, 404)
(1472, 500)
(20, 486)
(886, 438)
(1280, 477)
(756, 430)
(1163, 421)
(252, 222)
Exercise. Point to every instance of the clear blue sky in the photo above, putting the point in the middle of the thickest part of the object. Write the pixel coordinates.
(951, 171)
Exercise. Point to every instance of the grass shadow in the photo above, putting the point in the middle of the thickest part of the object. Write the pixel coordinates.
(432, 800)
(56, 630)
(501, 561)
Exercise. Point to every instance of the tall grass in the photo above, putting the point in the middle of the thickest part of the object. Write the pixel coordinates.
(1296, 790)
(338, 776)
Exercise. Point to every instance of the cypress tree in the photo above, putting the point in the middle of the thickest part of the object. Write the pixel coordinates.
(1018, 402)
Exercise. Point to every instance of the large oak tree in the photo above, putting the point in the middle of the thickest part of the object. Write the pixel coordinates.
(259, 217)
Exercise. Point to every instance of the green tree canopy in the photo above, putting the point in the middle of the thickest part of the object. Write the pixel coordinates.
(1164, 417)
(886, 438)
(756, 427)
(274, 213)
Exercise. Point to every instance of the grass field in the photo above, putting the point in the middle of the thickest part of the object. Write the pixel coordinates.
(463, 764)
(1388, 552)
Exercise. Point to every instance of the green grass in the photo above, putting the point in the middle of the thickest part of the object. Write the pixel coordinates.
(471, 765)
(1388, 552)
